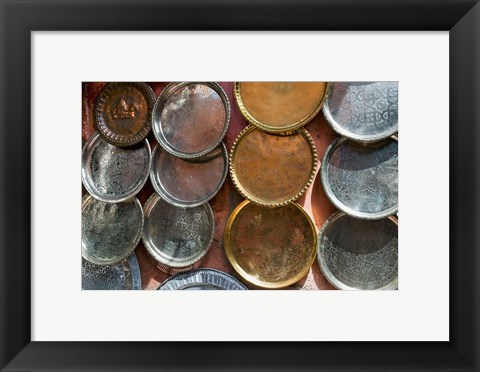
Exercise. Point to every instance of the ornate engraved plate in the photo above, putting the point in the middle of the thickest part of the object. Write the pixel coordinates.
(124, 275)
(123, 112)
(359, 254)
(363, 111)
(272, 170)
(280, 107)
(362, 180)
(110, 231)
(176, 236)
(113, 174)
(191, 119)
(270, 247)
(188, 182)
(202, 279)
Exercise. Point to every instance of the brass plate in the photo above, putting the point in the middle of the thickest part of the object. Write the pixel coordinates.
(280, 107)
(270, 247)
(272, 170)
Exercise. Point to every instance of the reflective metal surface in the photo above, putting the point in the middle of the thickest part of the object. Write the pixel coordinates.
(359, 254)
(191, 119)
(113, 174)
(110, 231)
(202, 279)
(123, 112)
(185, 182)
(362, 180)
(363, 111)
(176, 236)
(279, 107)
(124, 275)
(272, 170)
(270, 247)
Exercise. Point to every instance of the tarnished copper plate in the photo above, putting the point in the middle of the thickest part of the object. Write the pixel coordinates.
(272, 170)
(359, 254)
(270, 247)
(279, 107)
(123, 112)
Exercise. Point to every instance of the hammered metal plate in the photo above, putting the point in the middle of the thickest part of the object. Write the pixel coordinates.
(272, 170)
(362, 180)
(202, 279)
(359, 254)
(363, 111)
(188, 182)
(113, 174)
(124, 275)
(123, 112)
(110, 231)
(280, 107)
(176, 236)
(191, 119)
(270, 247)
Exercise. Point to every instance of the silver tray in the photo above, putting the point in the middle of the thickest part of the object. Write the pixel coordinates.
(175, 236)
(363, 111)
(113, 174)
(191, 119)
(124, 275)
(110, 231)
(359, 254)
(202, 279)
(186, 182)
(362, 180)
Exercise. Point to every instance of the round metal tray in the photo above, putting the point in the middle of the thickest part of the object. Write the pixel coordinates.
(191, 119)
(202, 279)
(176, 236)
(185, 182)
(270, 247)
(113, 174)
(363, 111)
(362, 180)
(359, 254)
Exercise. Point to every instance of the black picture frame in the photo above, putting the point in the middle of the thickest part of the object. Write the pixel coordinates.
(18, 18)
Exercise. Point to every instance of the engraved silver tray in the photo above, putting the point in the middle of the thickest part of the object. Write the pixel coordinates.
(176, 236)
(113, 174)
(188, 182)
(359, 254)
(363, 111)
(191, 119)
(362, 180)
(124, 275)
(110, 231)
(202, 279)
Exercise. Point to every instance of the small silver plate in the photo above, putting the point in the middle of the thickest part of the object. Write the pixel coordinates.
(187, 182)
(362, 180)
(363, 111)
(191, 119)
(124, 275)
(359, 254)
(113, 174)
(176, 236)
(202, 279)
(110, 231)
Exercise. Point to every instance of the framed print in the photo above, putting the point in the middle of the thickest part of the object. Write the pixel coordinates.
(49, 49)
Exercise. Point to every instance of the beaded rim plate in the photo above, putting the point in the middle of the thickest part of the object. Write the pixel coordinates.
(330, 194)
(255, 280)
(202, 279)
(286, 129)
(280, 201)
(332, 279)
(105, 132)
(155, 176)
(166, 93)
